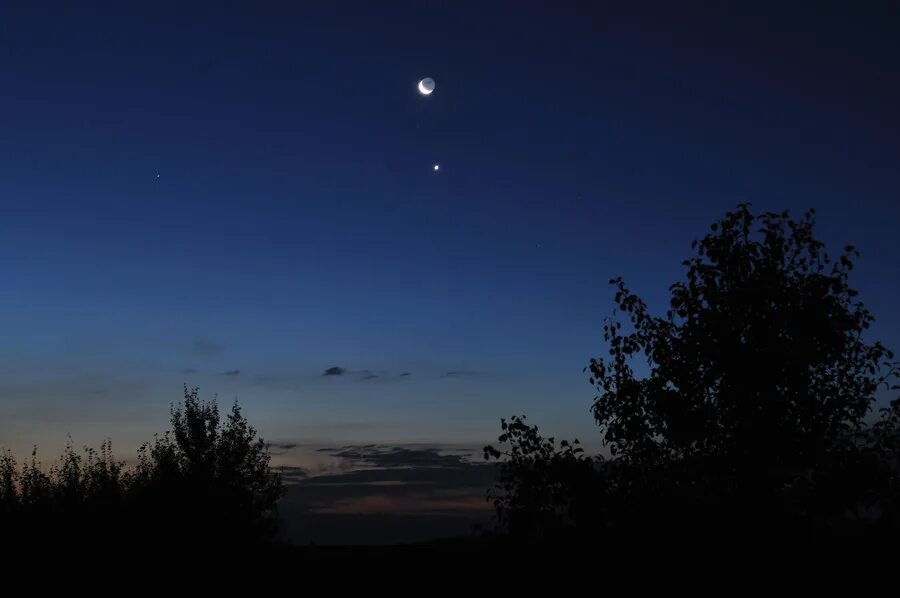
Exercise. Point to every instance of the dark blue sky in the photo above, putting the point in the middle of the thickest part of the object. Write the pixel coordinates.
(296, 223)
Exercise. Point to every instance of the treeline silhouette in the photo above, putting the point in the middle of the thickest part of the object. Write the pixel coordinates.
(747, 412)
(205, 483)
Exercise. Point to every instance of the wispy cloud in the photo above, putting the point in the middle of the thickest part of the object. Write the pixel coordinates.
(292, 474)
(381, 376)
(459, 374)
(283, 445)
(295, 380)
(206, 348)
(84, 397)
(231, 373)
(373, 455)
(281, 448)
(406, 493)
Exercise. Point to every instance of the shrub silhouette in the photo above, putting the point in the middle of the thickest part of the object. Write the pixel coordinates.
(206, 483)
(750, 417)
(543, 489)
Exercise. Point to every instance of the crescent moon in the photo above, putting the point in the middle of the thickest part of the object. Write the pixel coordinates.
(423, 90)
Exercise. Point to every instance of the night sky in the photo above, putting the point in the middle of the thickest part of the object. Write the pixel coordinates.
(242, 197)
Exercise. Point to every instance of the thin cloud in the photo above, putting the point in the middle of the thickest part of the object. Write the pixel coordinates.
(365, 375)
(408, 494)
(280, 448)
(231, 373)
(401, 456)
(382, 376)
(346, 447)
(292, 474)
(459, 373)
(188, 371)
(206, 348)
(283, 445)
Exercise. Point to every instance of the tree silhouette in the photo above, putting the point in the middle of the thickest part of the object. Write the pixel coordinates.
(749, 411)
(543, 488)
(207, 480)
(204, 484)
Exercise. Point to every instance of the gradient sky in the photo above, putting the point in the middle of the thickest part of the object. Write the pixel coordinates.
(240, 197)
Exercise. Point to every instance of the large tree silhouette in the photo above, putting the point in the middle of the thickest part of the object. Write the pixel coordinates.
(750, 400)
(205, 480)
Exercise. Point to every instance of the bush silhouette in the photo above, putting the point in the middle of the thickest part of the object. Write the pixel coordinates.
(750, 417)
(206, 483)
(543, 489)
